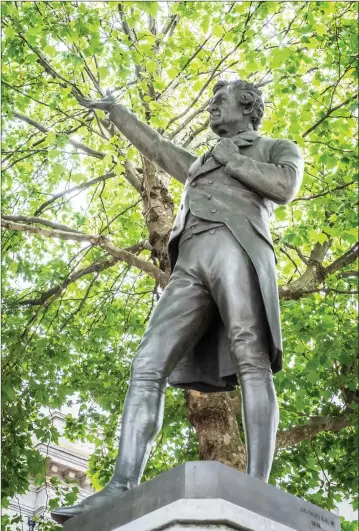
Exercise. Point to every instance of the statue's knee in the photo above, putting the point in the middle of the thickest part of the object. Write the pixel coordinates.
(260, 375)
(143, 369)
(253, 364)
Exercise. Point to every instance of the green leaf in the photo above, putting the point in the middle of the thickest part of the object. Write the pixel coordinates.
(171, 72)
(151, 66)
(316, 236)
(103, 71)
(10, 33)
(50, 137)
(280, 213)
(279, 56)
(205, 23)
(217, 31)
(49, 50)
(119, 170)
(62, 140)
(58, 169)
(150, 7)
(31, 58)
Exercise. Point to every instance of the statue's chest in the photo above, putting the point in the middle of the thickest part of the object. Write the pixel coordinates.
(258, 151)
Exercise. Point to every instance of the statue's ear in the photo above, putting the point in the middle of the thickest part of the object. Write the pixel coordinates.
(248, 108)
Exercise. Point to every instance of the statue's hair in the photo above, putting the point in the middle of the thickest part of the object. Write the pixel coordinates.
(246, 93)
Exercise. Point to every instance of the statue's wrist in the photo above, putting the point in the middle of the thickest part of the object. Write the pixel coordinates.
(111, 107)
(235, 164)
(233, 161)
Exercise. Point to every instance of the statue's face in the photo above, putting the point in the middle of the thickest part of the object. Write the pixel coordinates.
(226, 114)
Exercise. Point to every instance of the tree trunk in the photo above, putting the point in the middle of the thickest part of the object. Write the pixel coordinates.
(214, 420)
(158, 212)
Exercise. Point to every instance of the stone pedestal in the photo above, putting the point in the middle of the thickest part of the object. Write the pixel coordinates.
(202, 496)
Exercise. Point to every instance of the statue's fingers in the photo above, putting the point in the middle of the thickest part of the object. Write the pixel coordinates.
(84, 101)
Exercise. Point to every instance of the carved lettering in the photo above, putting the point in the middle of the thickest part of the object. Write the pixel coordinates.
(318, 516)
(315, 524)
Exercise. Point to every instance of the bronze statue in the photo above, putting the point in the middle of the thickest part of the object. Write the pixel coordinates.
(217, 322)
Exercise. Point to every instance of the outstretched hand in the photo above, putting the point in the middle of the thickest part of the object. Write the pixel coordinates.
(104, 104)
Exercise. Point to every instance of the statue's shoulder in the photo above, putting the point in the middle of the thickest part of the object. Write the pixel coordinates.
(272, 141)
(279, 144)
(278, 141)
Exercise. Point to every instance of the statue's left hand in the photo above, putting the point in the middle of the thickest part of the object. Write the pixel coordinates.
(224, 150)
(104, 104)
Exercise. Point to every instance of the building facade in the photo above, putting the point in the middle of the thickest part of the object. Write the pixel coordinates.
(68, 462)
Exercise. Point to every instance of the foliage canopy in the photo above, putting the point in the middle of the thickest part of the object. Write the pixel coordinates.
(74, 310)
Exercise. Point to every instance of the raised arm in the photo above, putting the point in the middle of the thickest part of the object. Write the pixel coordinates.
(278, 180)
(172, 159)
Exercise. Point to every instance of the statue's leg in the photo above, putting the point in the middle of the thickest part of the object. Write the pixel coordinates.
(178, 322)
(235, 288)
(260, 419)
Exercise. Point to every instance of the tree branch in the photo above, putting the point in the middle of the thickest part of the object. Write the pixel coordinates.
(54, 292)
(131, 175)
(189, 119)
(311, 277)
(82, 303)
(173, 19)
(330, 147)
(75, 143)
(302, 432)
(290, 259)
(176, 118)
(101, 241)
(96, 267)
(298, 251)
(308, 431)
(195, 133)
(89, 71)
(184, 67)
(346, 259)
(71, 117)
(41, 221)
(324, 193)
(331, 290)
(349, 274)
(81, 186)
(48, 68)
(327, 114)
(315, 273)
(125, 26)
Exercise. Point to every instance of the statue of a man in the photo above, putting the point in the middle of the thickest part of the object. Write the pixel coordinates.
(217, 322)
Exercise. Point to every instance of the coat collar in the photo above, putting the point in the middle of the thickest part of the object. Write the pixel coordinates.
(245, 138)
(242, 139)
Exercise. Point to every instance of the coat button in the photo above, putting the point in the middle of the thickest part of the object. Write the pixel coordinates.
(193, 184)
(212, 231)
(214, 211)
(210, 181)
(209, 196)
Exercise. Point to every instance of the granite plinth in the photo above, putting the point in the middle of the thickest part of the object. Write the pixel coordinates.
(201, 496)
